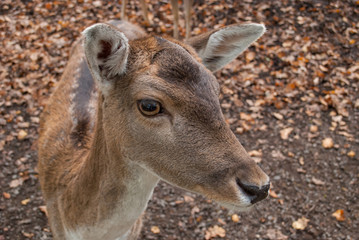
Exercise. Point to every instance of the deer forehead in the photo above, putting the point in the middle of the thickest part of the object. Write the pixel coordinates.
(175, 67)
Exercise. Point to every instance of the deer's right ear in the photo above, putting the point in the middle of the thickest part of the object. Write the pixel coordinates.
(106, 50)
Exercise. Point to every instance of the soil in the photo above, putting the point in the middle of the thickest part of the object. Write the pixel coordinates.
(294, 88)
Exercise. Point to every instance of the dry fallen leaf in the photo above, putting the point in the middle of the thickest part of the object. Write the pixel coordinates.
(221, 221)
(277, 155)
(278, 116)
(155, 229)
(21, 135)
(250, 56)
(6, 195)
(28, 235)
(272, 193)
(284, 133)
(255, 153)
(356, 104)
(215, 231)
(300, 224)
(351, 154)
(327, 143)
(313, 128)
(194, 210)
(257, 159)
(25, 201)
(245, 116)
(188, 198)
(235, 218)
(43, 209)
(339, 215)
(317, 181)
(275, 234)
(16, 182)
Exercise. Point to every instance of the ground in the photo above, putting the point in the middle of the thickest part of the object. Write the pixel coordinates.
(292, 99)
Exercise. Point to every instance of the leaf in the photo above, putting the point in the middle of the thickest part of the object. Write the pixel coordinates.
(155, 229)
(43, 209)
(278, 116)
(275, 234)
(235, 218)
(327, 143)
(245, 116)
(221, 221)
(317, 181)
(276, 154)
(6, 195)
(300, 224)
(188, 198)
(255, 153)
(215, 231)
(257, 159)
(339, 215)
(194, 210)
(48, 6)
(21, 135)
(250, 56)
(16, 182)
(313, 128)
(284, 133)
(25, 201)
(351, 154)
(273, 194)
(356, 104)
(28, 235)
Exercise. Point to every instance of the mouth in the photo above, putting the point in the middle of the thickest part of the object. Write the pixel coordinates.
(236, 207)
(243, 202)
(246, 197)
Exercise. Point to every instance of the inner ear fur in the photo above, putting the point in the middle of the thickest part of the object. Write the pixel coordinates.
(219, 47)
(106, 51)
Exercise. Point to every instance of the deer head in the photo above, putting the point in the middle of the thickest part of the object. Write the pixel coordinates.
(160, 109)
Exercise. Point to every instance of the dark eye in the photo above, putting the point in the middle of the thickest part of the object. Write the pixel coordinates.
(149, 107)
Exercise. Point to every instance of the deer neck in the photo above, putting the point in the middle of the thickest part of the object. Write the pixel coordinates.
(111, 191)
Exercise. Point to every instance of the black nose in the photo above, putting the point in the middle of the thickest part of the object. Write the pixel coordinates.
(256, 194)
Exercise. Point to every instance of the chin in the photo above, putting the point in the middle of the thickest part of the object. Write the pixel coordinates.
(240, 207)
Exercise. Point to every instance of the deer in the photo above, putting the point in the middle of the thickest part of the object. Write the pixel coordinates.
(131, 109)
(175, 10)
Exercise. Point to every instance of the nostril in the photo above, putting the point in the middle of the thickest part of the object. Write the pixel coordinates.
(266, 187)
(247, 188)
(257, 194)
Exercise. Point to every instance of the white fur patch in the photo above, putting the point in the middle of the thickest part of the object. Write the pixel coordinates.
(128, 210)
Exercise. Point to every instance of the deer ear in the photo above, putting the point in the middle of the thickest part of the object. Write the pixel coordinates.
(219, 47)
(106, 51)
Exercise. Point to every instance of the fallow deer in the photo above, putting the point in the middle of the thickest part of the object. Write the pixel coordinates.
(132, 109)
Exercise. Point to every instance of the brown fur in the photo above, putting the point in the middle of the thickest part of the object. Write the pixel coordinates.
(86, 158)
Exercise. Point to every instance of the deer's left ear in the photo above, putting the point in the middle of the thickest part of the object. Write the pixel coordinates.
(219, 47)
